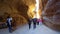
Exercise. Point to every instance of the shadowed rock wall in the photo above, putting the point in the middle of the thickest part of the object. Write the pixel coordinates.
(52, 14)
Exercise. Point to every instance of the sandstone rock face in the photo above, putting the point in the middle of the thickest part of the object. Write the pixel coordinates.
(52, 14)
(17, 9)
(44, 2)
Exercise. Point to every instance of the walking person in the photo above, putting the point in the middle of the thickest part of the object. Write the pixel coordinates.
(38, 21)
(34, 22)
(9, 21)
(29, 22)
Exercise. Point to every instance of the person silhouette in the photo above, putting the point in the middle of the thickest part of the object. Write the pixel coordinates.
(9, 21)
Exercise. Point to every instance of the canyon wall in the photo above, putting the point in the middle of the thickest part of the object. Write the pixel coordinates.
(51, 15)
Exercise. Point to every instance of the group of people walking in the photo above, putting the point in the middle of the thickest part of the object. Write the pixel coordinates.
(30, 21)
(34, 21)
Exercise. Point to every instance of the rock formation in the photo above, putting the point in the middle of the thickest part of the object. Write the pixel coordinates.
(17, 9)
(52, 14)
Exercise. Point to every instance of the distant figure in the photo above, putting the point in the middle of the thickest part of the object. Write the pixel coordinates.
(37, 21)
(9, 21)
(29, 22)
(34, 22)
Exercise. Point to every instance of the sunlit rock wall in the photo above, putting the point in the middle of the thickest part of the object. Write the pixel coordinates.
(18, 9)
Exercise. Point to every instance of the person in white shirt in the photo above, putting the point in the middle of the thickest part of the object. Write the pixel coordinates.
(9, 21)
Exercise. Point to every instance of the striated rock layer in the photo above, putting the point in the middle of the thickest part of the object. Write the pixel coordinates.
(52, 14)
